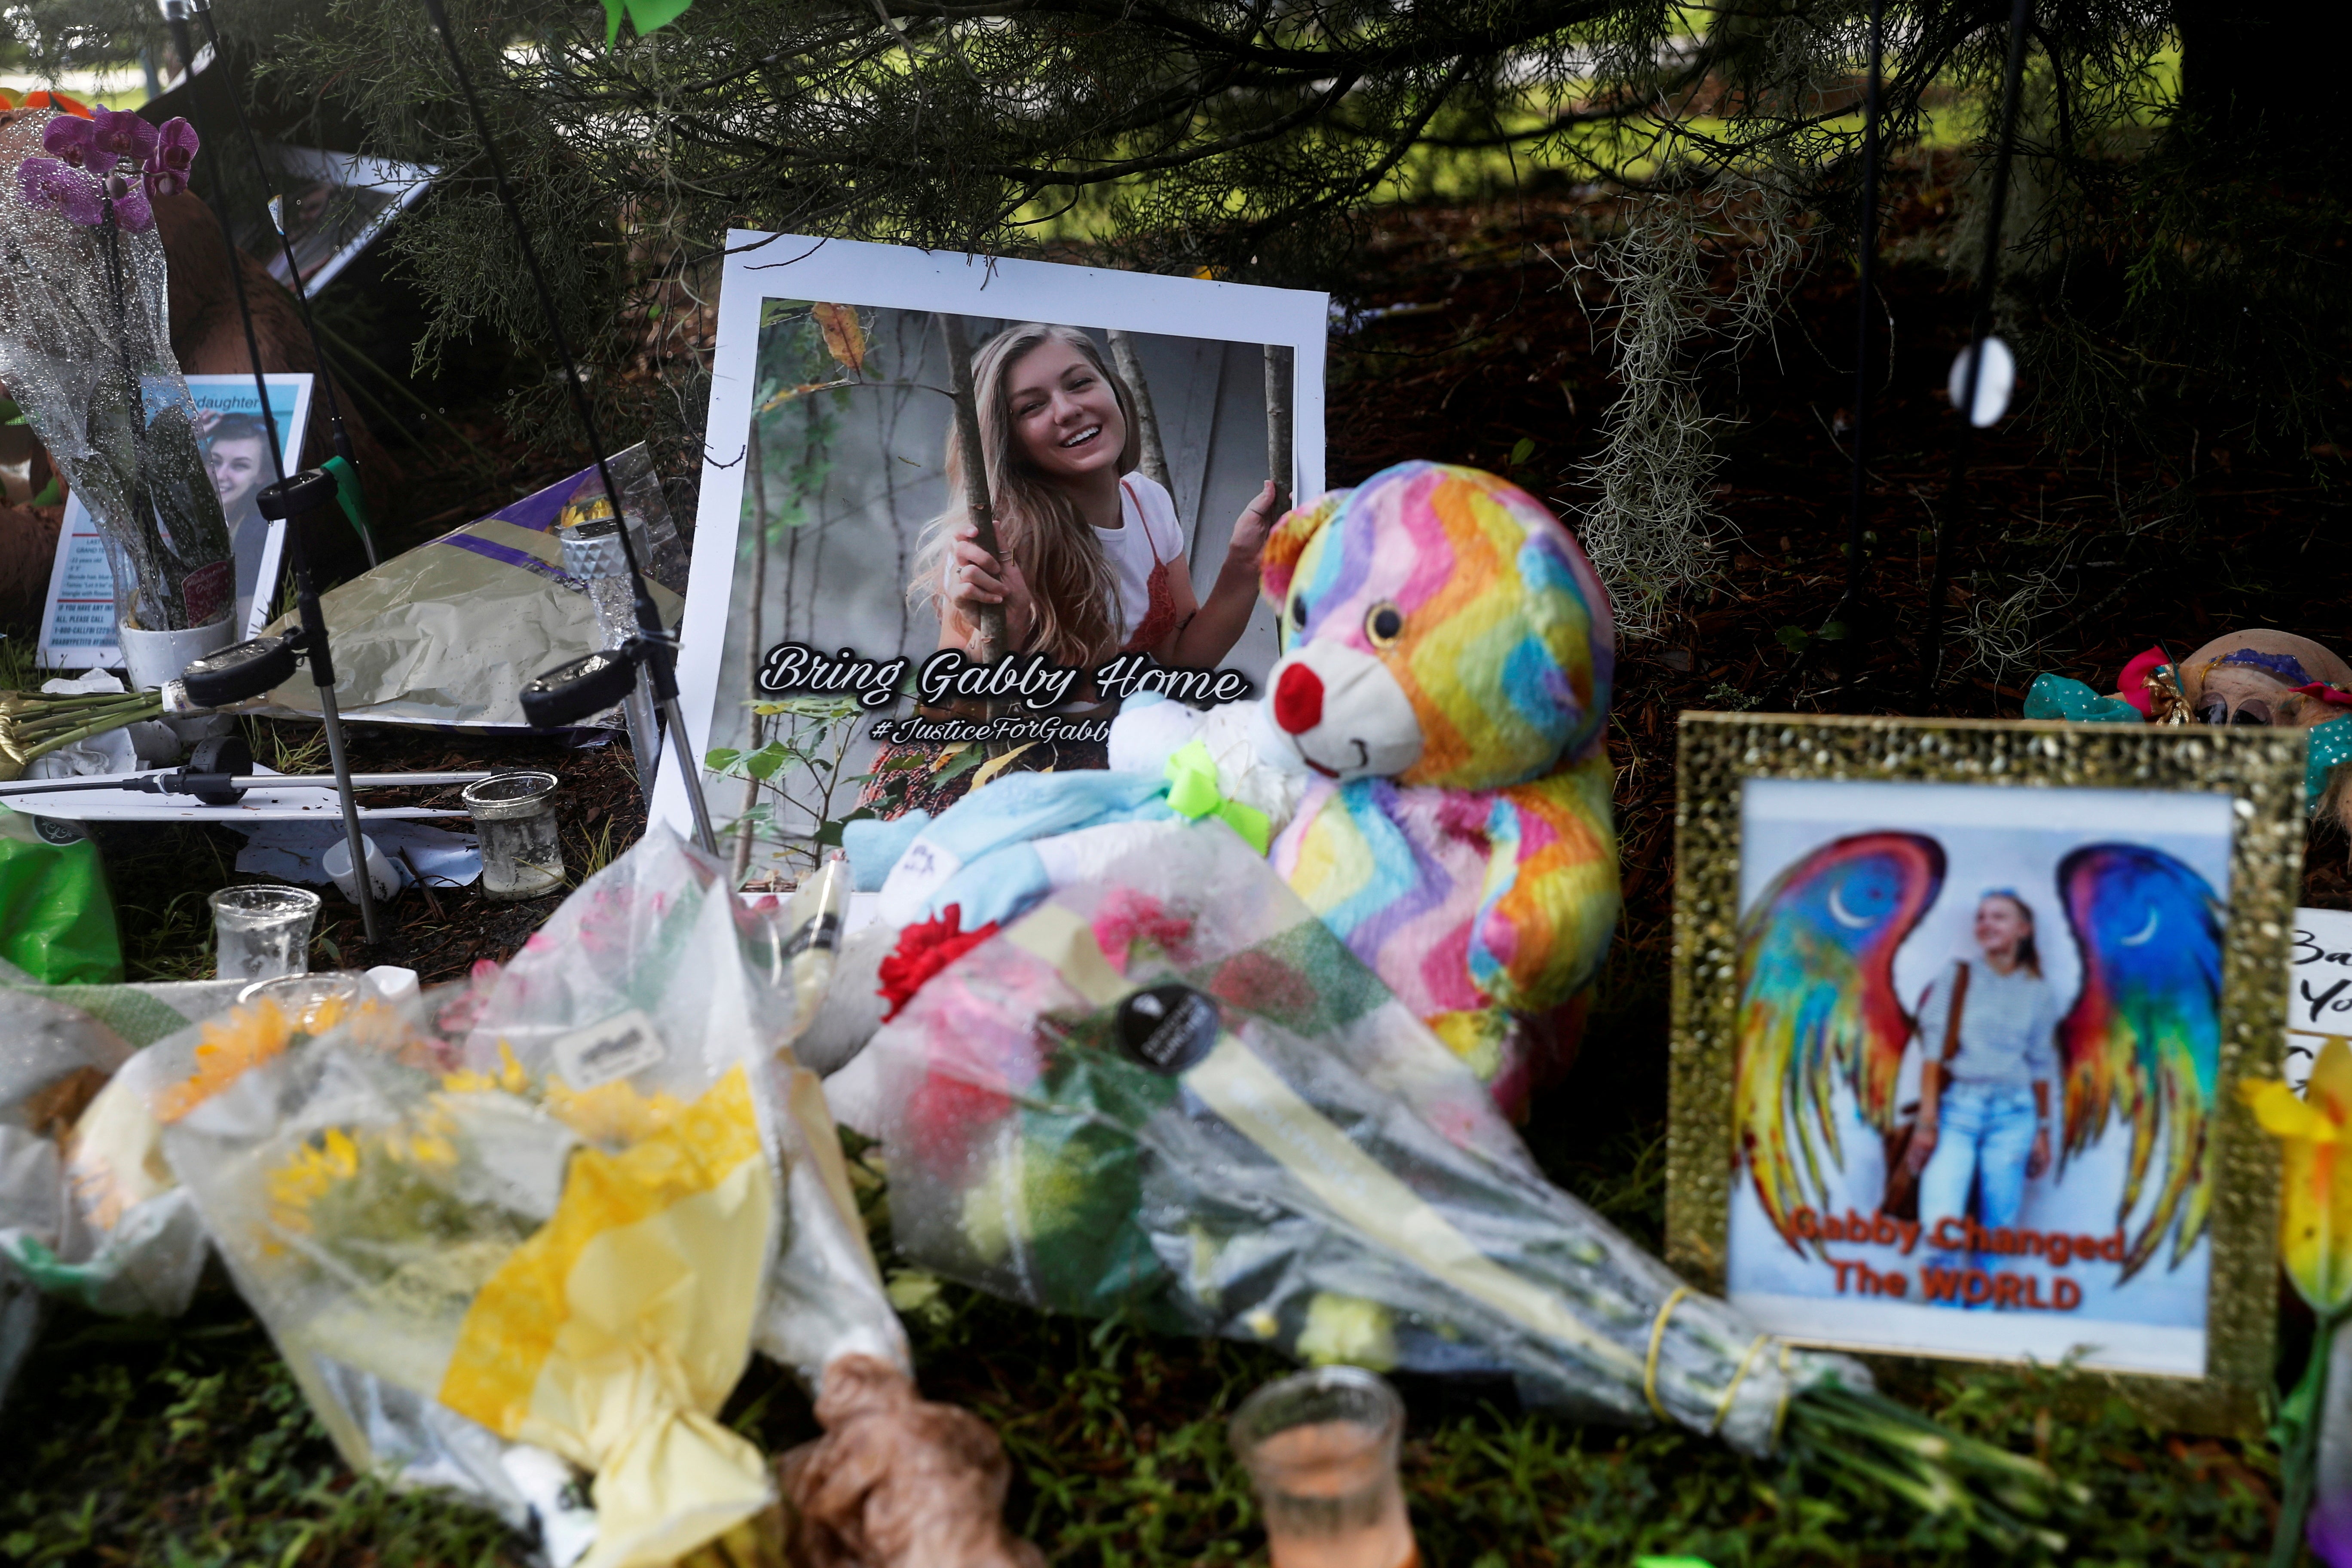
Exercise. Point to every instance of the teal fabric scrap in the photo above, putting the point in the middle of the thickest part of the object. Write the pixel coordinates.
(2057, 697)
(2327, 746)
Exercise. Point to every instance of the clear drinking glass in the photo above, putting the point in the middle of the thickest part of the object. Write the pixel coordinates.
(263, 932)
(1321, 1451)
(514, 817)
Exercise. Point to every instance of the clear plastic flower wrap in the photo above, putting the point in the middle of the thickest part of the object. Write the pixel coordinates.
(549, 1213)
(87, 1208)
(1173, 1092)
(86, 352)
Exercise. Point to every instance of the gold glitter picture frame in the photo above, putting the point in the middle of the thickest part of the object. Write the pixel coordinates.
(2123, 894)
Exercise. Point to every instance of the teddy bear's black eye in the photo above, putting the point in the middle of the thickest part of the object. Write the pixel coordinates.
(1384, 624)
(1298, 612)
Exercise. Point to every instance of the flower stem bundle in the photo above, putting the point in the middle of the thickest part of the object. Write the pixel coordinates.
(35, 723)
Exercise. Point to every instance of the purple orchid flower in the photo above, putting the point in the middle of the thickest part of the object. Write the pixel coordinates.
(176, 152)
(132, 214)
(66, 136)
(117, 134)
(50, 183)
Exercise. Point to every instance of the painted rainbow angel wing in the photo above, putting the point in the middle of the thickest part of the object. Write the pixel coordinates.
(1817, 1004)
(2144, 1039)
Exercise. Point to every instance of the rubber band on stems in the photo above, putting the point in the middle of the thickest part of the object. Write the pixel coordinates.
(1780, 1416)
(1723, 1405)
(1658, 1338)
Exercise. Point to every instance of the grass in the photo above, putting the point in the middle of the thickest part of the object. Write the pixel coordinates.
(186, 1443)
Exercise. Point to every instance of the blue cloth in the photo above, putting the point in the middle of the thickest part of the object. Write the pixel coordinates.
(980, 858)
(2057, 697)
(1984, 1133)
(874, 847)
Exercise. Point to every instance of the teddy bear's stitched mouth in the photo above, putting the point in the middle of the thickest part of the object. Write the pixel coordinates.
(1363, 757)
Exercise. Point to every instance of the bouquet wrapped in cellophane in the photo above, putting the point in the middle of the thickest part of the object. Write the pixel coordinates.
(1173, 1092)
(86, 352)
(550, 1214)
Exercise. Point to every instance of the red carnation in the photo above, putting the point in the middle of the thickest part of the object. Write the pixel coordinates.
(924, 949)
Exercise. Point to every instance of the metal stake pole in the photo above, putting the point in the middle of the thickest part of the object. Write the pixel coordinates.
(337, 435)
(1849, 609)
(656, 647)
(1931, 640)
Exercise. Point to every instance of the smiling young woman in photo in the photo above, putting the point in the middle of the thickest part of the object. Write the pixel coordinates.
(1094, 562)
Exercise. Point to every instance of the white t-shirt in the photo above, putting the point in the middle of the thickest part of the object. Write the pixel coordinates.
(1148, 515)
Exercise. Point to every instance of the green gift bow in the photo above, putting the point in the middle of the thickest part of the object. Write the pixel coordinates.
(1193, 792)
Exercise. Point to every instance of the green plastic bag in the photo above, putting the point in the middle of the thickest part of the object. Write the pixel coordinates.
(57, 917)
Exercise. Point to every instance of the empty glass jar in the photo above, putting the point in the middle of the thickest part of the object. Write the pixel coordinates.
(263, 931)
(514, 818)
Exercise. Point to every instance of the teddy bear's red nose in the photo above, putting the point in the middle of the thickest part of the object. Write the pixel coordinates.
(1298, 699)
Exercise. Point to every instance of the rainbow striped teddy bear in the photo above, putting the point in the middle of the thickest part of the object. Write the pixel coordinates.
(1447, 652)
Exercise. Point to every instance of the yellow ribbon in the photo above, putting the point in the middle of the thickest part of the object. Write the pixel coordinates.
(1193, 792)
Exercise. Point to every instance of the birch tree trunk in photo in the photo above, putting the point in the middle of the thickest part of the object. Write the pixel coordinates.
(1129, 366)
(989, 639)
(757, 472)
(1278, 463)
(971, 457)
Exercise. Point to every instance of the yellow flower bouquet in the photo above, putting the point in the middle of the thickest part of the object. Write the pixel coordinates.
(551, 1213)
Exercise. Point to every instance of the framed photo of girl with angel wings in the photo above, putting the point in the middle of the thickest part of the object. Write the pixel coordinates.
(1960, 1011)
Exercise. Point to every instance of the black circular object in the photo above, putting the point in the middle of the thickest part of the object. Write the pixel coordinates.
(238, 671)
(296, 494)
(1168, 1028)
(214, 761)
(222, 755)
(574, 691)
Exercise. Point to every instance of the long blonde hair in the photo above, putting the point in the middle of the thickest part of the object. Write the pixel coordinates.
(1077, 597)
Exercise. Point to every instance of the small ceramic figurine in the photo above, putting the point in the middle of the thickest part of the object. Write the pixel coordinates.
(2259, 676)
(2264, 677)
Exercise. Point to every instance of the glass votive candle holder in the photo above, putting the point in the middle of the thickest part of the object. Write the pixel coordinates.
(263, 931)
(514, 818)
(309, 1001)
(1321, 1451)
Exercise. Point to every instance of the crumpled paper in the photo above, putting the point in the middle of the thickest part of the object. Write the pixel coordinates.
(448, 633)
(897, 1481)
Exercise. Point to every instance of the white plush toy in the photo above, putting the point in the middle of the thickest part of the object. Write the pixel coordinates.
(1254, 766)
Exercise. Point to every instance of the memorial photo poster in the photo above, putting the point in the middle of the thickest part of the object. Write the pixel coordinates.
(79, 620)
(832, 667)
(2045, 975)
